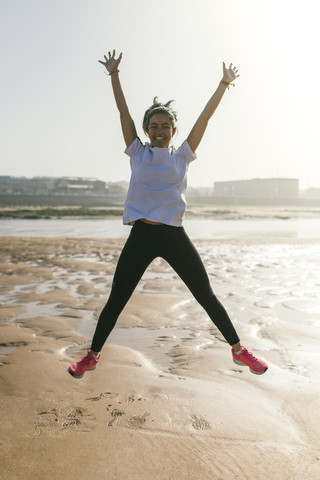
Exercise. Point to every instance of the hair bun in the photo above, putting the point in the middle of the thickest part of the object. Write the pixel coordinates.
(156, 103)
(168, 104)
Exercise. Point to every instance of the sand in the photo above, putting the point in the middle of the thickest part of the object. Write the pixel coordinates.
(166, 401)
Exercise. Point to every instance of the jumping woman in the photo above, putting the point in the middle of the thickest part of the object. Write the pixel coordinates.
(155, 207)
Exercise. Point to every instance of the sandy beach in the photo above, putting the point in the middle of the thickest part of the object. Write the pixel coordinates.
(166, 401)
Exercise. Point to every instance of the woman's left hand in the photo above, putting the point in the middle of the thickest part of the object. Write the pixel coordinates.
(229, 74)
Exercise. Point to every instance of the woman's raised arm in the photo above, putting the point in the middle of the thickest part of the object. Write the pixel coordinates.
(196, 134)
(129, 131)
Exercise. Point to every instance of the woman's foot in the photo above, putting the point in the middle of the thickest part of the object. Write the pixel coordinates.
(89, 362)
(256, 365)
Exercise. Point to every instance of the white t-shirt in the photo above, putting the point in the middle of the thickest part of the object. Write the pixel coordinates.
(158, 183)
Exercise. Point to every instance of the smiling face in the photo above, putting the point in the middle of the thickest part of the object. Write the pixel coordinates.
(160, 130)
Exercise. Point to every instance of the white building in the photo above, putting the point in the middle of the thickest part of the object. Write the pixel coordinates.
(259, 188)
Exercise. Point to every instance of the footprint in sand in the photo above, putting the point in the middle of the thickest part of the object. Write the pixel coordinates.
(73, 418)
(199, 423)
(48, 418)
(116, 414)
(62, 420)
(102, 396)
(136, 421)
(133, 398)
(4, 362)
(11, 346)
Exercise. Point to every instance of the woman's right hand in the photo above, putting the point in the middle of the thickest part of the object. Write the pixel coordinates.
(111, 63)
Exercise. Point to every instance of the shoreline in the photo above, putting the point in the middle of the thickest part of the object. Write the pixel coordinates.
(221, 212)
(166, 384)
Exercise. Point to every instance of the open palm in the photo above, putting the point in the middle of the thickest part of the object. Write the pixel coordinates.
(111, 62)
(230, 74)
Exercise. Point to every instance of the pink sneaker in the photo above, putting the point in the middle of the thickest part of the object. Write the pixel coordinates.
(89, 362)
(256, 365)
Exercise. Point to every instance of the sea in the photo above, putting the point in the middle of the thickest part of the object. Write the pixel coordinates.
(197, 228)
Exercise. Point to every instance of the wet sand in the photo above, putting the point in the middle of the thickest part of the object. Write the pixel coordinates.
(166, 401)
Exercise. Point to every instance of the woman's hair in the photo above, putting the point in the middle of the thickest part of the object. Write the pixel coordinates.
(158, 107)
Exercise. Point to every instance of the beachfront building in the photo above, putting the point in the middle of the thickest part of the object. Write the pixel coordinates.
(259, 188)
(18, 185)
(60, 191)
(79, 186)
(51, 186)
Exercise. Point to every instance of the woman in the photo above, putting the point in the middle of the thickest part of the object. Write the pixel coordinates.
(155, 206)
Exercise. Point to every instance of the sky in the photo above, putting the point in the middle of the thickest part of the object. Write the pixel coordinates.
(58, 115)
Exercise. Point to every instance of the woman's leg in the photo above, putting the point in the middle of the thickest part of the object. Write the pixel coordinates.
(133, 261)
(182, 255)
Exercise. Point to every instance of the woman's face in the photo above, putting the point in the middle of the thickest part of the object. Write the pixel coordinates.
(160, 130)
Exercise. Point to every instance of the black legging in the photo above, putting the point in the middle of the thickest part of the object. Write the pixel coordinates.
(144, 244)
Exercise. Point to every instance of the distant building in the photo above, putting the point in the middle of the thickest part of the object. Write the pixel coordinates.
(51, 186)
(311, 193)
(259, 188)
(79, 186)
